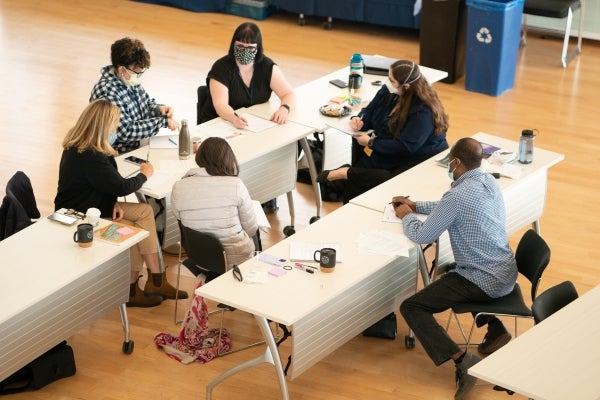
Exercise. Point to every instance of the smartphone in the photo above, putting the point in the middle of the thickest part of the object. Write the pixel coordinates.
(339, 83)
(62, 218)
(135, 160)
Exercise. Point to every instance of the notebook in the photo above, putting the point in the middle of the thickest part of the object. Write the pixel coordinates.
(305, 251)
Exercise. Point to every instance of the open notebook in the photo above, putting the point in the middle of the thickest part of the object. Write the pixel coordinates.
(305, 251)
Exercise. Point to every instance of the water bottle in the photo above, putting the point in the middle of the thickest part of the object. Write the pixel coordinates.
(184, 140)
(357, 67)
(526, 146)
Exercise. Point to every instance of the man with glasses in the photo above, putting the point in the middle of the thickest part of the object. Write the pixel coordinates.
(141, 116)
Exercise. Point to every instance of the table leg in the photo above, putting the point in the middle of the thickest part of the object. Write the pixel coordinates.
(313, 175)
(270, 356)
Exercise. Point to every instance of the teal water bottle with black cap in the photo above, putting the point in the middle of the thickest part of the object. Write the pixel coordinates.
(355, 78)
(526, 146)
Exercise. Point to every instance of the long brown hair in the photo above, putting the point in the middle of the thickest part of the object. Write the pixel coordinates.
(413, 83)
(216, 156)
(92, 129)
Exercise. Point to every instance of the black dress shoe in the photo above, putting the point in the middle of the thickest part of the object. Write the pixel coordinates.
(322, 177)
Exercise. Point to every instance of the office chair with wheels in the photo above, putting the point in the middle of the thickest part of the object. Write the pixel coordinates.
(203, 96)
(18, 207)
(552, 300)
(559, 9)
(532, 257)
(205, 254)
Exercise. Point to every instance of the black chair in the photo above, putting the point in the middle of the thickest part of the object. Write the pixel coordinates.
(18, 207)
(203, 97)
(205, 254)
(559, 9)
(532, 256)
(552, 300)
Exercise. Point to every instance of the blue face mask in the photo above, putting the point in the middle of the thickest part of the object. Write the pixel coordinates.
(112, 137)
(451, 172)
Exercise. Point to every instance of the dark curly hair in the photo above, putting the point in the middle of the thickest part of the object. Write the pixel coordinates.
(129, 52)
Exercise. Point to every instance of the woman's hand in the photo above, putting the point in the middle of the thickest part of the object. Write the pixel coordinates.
(118, 212)
(356, 123)
(280, 116)
(362, 139)
(239, 122)
(146, 169)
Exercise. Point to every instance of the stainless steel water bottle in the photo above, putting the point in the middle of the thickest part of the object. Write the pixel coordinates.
(526, 146)
(184, 140)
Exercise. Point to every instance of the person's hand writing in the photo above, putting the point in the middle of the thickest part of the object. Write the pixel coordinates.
(402, 210)
(239, 121)
(118, 212)
(146, 169)
(362, 139)
(172, 124)
(280, 116)
(398, 200)
(356, 123)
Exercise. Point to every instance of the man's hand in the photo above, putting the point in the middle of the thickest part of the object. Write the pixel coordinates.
(399, 200)
(402, 210)
(166, 110)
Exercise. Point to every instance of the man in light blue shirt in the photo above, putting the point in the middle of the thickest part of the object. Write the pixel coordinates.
(473, 213)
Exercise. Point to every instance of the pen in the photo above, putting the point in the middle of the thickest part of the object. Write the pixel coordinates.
(406, 197)
(172, 141)
(308, 268)
(148, 156)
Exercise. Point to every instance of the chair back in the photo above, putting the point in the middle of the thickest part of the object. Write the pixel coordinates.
(203, 96)
(204, 249)
(20, 186)
(18, 206)
(552, 300)
(532, 256)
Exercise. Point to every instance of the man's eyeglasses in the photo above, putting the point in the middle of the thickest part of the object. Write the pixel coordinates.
(237, 273)
(137, 74)
(74, 213)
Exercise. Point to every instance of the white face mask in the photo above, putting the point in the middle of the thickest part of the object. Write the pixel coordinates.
(112, 137)
(133, 80)
(451, 172)
(390, 87)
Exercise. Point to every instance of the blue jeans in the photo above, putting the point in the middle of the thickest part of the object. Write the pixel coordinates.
(439, 296)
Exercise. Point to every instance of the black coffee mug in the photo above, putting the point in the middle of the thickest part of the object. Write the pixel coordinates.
(325, 258)
(84, 235)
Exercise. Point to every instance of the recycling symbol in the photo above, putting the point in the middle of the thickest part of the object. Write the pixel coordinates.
(484, 35)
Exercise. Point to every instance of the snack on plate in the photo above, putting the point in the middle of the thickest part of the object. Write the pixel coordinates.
(335, 110)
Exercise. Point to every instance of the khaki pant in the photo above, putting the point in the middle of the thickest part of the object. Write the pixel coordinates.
(142, 216)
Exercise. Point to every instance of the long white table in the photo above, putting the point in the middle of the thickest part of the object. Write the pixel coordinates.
(268, 167)
(524, 198)
(557, 359)
(56, 288)
(325, 310)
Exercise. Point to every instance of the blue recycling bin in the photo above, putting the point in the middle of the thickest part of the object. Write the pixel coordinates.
(493, 35)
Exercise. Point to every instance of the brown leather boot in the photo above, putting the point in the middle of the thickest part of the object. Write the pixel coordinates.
(141, 299)
(165, 290)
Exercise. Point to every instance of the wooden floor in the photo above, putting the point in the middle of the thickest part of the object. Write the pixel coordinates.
(51, 55)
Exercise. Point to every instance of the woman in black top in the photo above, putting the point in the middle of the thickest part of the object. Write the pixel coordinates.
(244, 77)
(88, 177)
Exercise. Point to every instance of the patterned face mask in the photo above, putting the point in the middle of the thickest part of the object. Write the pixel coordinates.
(244, 55)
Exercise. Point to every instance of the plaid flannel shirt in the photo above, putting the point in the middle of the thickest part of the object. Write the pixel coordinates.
(140, 115)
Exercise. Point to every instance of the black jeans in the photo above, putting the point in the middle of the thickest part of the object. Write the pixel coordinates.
(439, 296)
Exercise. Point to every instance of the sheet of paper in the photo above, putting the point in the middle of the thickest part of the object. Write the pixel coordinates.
(164, 142)
(305, 251)
(261, 217)
(179, 167)
(382, 242)
(158, 178)
(257, 124)
(343, 125)
(389, 215)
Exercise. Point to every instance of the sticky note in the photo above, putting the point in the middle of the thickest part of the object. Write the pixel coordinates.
(277, 272)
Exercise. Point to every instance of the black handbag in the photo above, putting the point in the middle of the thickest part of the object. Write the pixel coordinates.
(384, 328)
(56, 363)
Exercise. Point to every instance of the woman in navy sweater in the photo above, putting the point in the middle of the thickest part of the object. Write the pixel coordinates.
(407, 123)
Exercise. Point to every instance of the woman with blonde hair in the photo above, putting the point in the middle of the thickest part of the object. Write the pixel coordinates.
(408, 125)
(88, 177)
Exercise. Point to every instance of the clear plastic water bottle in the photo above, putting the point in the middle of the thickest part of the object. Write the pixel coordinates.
(357, 67)
(184, 140)
(526, 146)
